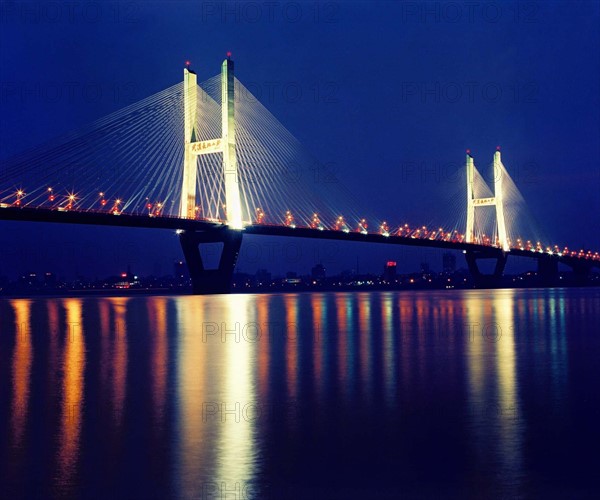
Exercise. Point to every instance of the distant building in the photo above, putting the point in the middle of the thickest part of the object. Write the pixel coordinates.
(127, 280)
(29, 279)
(389, 270)
(263, 277)
(180, 271)
(318, 272)
(49, 279)
(449, 262)
(346, 274)
(425, 268)
(292, 278)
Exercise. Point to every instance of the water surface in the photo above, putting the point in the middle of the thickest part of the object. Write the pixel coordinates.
(333, 395)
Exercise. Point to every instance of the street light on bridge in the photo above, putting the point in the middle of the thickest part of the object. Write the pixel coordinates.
(289, 219)
(315, 222)
(20, 195)
(384, 229)
(362, 226)
(260, 215)
(71, 198)
(115, 209)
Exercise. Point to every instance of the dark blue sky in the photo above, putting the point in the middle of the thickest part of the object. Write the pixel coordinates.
(391, 93)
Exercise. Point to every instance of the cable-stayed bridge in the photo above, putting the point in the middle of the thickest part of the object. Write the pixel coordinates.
(209, 161)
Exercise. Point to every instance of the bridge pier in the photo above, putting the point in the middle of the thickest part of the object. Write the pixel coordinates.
(486, 280)
(581, 272)
(548, 270)
(208, 281)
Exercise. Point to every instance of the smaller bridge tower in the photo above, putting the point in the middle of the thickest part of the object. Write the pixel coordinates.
(500, 255)
(497, 200)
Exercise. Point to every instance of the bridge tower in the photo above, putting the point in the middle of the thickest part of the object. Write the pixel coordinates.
(224, 145)
(497, 201)
(190, 101)
(229, 237)
(233, 204)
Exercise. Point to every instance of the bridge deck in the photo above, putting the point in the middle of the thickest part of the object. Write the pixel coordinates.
(176, 223)
(104, 219)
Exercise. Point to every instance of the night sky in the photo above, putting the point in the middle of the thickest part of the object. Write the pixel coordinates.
(390, 93)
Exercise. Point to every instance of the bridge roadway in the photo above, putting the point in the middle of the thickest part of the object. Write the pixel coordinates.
(175, 223)
(91, 218)
(484, 250)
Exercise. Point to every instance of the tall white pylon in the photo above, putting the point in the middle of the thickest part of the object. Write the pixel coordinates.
(233, 205)
(225, 145)
(499, 195)
(497, 201)
(190, 100)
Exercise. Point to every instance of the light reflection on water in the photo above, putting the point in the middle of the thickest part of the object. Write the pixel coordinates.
(21, 375)
(72, 392)
(157, 317)
(332, 395)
